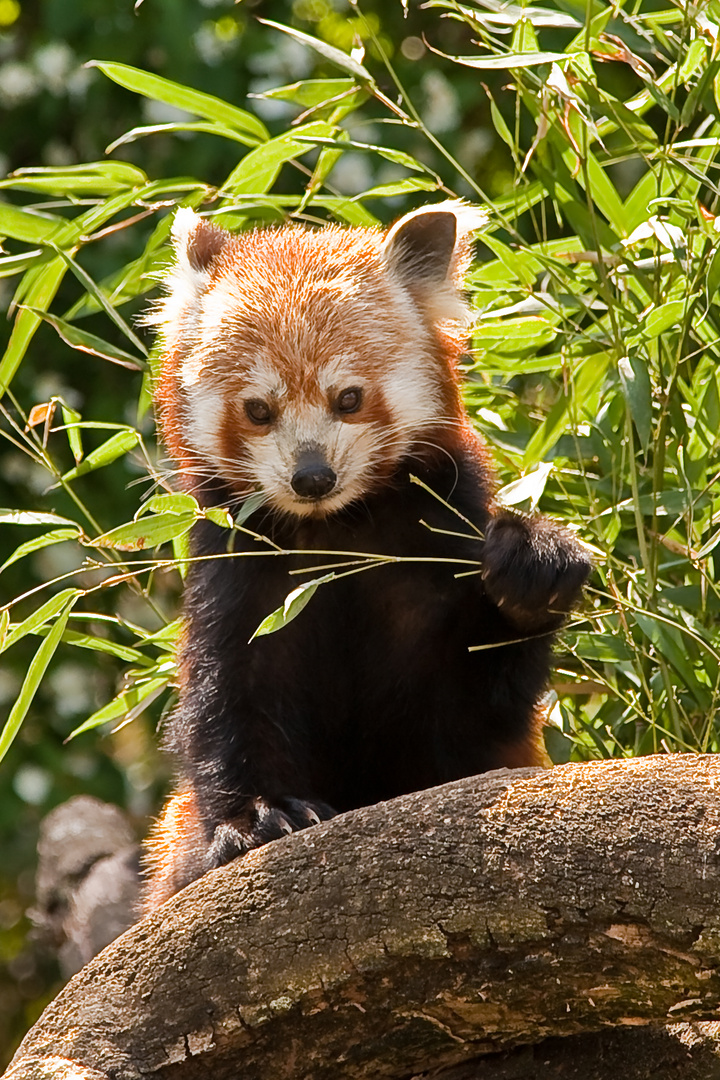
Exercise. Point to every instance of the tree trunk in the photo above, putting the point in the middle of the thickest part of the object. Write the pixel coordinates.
(491, 928)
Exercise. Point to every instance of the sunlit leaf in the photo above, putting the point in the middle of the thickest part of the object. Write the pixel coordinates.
(42, 286)
(258, 170)
(499, 13)
(663, 317)
(506, 60)
(310, 92)
(33, 226)
(89, 343)
(182, 97)
(528, 488)
(220, 130)
(148, 532)
(30, 517)
(94, 178)
(293, 605)
(115, 447)
(47, 611)
(128, 704)
(35, 673)
(328, 52)
(180, 502)
(55, 536)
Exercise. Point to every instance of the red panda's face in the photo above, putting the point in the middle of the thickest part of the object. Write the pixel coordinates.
(302, 364)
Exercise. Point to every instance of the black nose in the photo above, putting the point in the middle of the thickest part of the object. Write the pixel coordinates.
(313, 480)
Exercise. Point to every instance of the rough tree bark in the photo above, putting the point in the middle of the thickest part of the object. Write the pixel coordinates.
(491, 928)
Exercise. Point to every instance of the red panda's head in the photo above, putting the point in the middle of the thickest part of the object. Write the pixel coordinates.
(309, 363)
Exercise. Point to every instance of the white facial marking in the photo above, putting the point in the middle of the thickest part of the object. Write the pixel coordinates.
(263, 380)
(204, 416)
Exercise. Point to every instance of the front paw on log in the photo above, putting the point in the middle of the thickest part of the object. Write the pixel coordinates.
(261, 821)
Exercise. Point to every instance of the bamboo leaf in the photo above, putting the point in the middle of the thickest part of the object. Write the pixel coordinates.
(43, 283)
(33, 226)
(180, 502)
(104, 645)
(259, 169)
(89, 343)
(41, 616)
(71, 420)
(663, 317)
(310, 92)
(92, 288)
(528, 488)
(507, 60)
(294, 603)
(499, 13)
(585, 384)
(605, 648)
(29, 517)
(182, 97)
(128, 704)
(55, 536)
(94, 178)
(171, 129)
(116, 446)
(36, 671)
(328, 52)
(637, 388)
(148, 532)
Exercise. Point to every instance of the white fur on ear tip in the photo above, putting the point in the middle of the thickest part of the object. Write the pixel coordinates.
(184, 225)
(470, 218)
(427, 251)
(184, 280)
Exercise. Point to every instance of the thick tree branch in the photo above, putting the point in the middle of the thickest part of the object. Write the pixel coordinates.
(416, 935)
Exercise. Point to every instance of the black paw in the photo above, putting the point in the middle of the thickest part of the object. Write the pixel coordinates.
(533, 570)
(261, 821)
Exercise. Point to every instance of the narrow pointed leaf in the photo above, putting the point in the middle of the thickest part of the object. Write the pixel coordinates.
(294, 604)
(89, 343)
(182, 97)
(328, 52)
(55, 536)
(36, 671)
(110, 451)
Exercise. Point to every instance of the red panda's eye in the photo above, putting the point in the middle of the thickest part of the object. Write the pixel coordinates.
(350, 400)
(258, 412)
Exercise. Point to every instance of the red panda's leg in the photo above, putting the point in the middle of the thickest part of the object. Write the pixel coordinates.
(175, 850)
(529, 750)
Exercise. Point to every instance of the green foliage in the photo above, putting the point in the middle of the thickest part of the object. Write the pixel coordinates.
(594, 364)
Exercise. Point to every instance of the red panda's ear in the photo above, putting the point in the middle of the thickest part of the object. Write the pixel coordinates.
(419, 247)
(428, 251)
(196, 242)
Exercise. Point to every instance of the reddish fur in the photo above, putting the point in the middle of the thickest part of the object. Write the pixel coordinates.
(174, 849)
(310, 272)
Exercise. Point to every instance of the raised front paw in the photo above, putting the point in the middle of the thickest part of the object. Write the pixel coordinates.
(533, 569)
(261, 821)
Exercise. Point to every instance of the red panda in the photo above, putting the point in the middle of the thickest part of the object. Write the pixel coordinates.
(320, 368)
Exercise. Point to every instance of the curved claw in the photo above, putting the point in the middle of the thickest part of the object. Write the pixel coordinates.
(260, 822)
